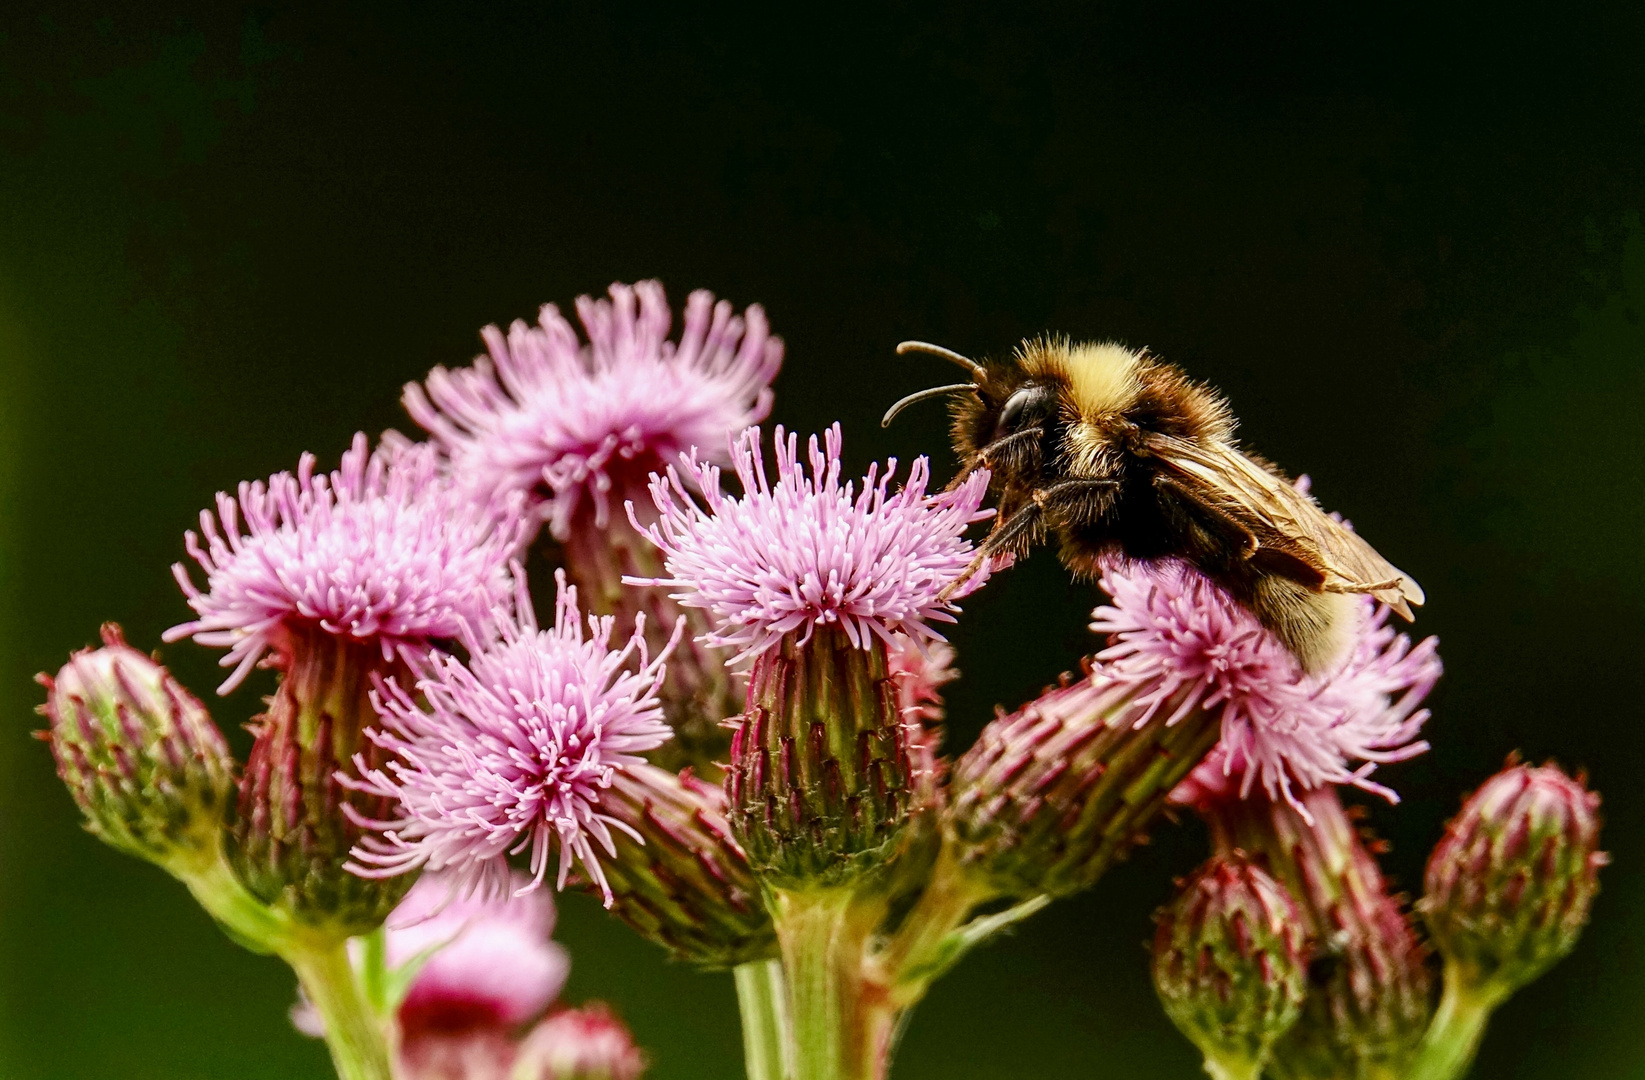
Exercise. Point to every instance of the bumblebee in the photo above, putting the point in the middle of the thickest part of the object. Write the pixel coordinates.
(1117, 454)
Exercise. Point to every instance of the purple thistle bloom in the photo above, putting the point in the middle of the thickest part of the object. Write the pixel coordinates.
(513, 750)
(546, 411)
(1177, 638)
(384, 550)
(493, 965)
(809, 551)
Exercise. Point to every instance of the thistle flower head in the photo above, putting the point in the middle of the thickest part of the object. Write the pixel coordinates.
(384, 550)
(1510, 886)
(568, 423)
(808, 551)
(1230, 963)
(587, 1043)
(1178, 640)
(479, 962)
(685, 883)
(920, 671)
(514, 749)
(493, 963)
(138, 752)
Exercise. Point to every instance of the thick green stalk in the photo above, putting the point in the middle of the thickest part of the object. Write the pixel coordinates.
(920, 950)
(242, 916)
(353, 1033)
(844, 1024)
(1233, 1069)
(762, 999)
(1454, 1035)
(808, 924)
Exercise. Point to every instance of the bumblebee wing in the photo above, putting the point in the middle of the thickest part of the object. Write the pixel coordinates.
(1292, 535)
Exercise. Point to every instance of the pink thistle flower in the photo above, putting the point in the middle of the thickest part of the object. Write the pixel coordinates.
(494, 964)
(920, 671)
(1176, 638)
(809, 551)
(587, 1043)
(486, 962)
(384, 550)
(569, 423)
(514, 749)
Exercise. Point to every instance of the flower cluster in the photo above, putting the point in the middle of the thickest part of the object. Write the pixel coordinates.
(809, 551)
(1182, 644)
(385, 550)
(426, 729)
(568, 423)
(476, 972)
(512, 749)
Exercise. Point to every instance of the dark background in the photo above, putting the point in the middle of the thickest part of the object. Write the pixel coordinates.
(1406, 244)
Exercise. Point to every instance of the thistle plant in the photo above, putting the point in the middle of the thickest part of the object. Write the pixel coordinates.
(731, 733)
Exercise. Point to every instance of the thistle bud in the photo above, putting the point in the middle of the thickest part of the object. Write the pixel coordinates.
(1510, 885)
(1229, 964)
(1051, 796)
(1368, 1001)
(684, 884)
(820, 778)
(587, 1043)
(297, 820)
(139, 753)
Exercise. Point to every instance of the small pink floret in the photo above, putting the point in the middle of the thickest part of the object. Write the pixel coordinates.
(1180, 642)
(384, 550)
(514, 749)
(808, 551)
(547, 415)
(495, 963)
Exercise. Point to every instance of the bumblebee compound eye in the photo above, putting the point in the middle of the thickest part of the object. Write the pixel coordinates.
(1022, 409)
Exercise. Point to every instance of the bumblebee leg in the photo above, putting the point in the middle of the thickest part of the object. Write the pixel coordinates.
(1076, 502)
(1365, 587)
(1003, 537)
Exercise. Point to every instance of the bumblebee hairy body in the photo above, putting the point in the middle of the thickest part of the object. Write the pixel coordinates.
(1116, 454)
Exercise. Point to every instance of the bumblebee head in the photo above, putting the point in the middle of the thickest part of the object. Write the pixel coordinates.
(1002, 399)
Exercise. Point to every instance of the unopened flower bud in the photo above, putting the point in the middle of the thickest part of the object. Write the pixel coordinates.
(587, 1043)
(1368, 1001)
(1510, 886)
(139, 753)
(297, 821)
(819, 783)
(685, 884)
(1230, 965)
(1051, 796)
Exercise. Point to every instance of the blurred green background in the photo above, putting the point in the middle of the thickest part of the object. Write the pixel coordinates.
(1406, 243)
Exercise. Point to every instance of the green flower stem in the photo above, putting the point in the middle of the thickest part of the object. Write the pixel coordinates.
(918, 952)
(844, 1025)
(1233, 1068)
(353, 1031)
(1454, 1034)
(374, 980)
(242, 916)
(767, 1038)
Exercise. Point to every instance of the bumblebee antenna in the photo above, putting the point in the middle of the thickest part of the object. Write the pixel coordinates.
(947, 354)
(921, 395)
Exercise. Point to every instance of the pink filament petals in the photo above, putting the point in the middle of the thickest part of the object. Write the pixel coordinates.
(513, 750)
(1177, 638)
(809, 551)
(544, 410)
(383, 549)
